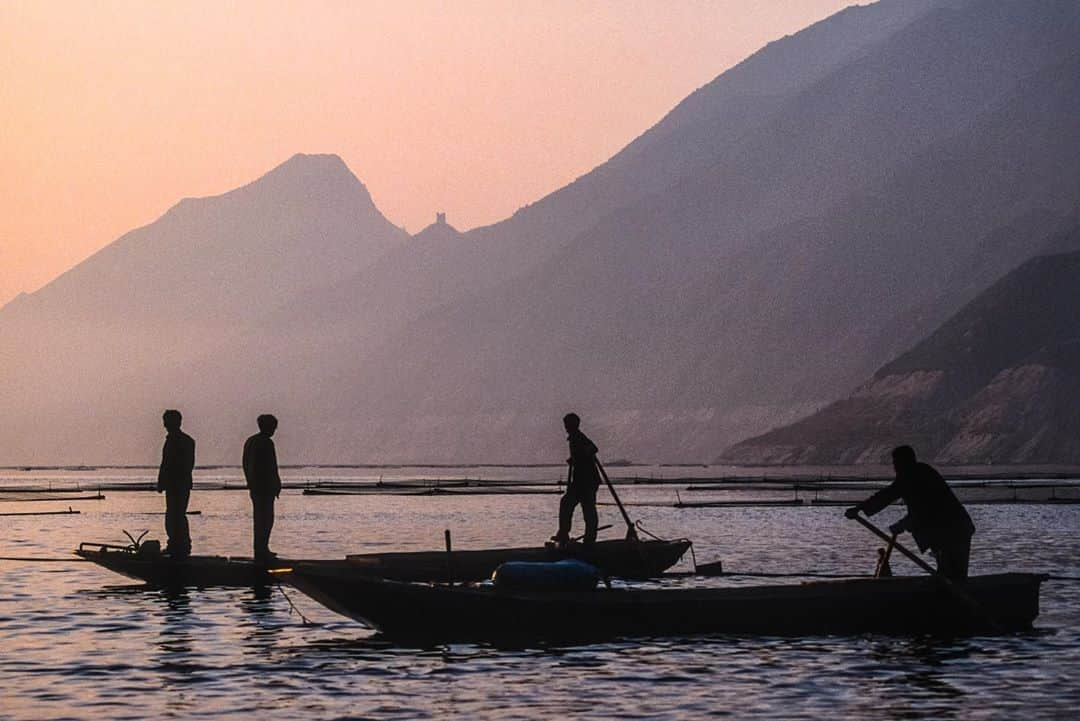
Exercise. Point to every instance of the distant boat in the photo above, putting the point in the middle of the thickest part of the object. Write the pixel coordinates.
(905, 605)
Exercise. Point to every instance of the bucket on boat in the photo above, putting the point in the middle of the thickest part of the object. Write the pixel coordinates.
(149, 549)
(565, 575)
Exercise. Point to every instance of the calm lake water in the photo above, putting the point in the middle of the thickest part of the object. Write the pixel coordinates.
(79, 642)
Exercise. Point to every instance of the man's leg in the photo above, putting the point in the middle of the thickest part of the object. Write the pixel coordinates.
(258, 537)
(170, 521)
(269, 515)
(588, 512)
(566, 513)
(953, 558)
(176, 523)
(181, 540)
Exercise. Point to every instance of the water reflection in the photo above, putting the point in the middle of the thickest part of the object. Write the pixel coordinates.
(258, 609)
(74, 649)
(917, 670)
(174, 632)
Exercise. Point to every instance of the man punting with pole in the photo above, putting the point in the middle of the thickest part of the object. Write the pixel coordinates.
(935, 517)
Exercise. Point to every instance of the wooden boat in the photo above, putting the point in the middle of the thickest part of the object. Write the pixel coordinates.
(623, 558)
(159, 570)
(424, 612)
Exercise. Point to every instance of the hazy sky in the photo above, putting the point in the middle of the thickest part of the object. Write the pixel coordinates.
(112, 111)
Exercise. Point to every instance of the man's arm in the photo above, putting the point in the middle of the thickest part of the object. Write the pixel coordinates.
(273, 467)
(249, 463)
(876, 502)
(189, 458)
(163, 468)
(882, 499)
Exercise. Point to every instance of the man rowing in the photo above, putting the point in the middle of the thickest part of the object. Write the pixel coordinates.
(935, 517)
(582, 484)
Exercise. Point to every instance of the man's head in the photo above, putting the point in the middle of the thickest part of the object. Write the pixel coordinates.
(171, 418)
(571, 421)
(267, 424)
(903, 459)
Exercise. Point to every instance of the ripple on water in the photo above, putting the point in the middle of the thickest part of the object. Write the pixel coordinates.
(78, 642)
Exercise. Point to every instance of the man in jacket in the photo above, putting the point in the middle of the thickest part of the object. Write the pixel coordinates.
(935, 517)
(174, 479)
(263, 482)
(583, 484)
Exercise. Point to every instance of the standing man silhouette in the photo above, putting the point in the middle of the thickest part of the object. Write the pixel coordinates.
(263, 482)
(583, 484)
(174, 479)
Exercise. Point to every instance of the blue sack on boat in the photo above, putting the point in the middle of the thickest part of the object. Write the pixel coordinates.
(565, 575)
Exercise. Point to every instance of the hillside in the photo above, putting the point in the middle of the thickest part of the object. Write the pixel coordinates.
(767, 284)
(999, 382)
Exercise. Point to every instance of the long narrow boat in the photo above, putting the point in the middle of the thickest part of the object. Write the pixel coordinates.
(907, 605)
(622, 558)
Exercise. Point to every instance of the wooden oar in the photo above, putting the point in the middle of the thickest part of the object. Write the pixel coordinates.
(631, 532)
(957, 591)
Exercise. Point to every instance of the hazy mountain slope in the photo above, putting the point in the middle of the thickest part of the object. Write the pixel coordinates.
(306, 222)
(684, 322)
(744, 262)
(998, 382)
(149, 305)
(705, 124)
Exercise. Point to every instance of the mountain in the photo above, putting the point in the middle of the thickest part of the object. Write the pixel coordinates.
(765, 283)
(784, 231)
(161, 297)
(416, 277)
(999, 382)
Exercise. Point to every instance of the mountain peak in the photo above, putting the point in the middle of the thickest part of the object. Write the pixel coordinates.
(303, 168)
(327, 162)
(324, 178)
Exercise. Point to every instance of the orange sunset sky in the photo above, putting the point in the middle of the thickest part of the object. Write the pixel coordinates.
(112, 111)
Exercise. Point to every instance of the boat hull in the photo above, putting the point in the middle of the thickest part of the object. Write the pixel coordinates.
(193, 571)
(899, 605)
(629, 559)
(621, 558)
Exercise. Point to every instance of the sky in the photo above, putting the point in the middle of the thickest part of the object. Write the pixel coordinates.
(113, 111)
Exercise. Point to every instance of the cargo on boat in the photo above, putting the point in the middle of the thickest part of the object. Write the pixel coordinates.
(622, 558)
(901, 605)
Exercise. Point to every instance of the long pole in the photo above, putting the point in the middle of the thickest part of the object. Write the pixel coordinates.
(963, 596)
(631, 532)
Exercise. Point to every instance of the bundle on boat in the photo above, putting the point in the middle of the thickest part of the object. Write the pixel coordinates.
(904, 605)
(629, 558)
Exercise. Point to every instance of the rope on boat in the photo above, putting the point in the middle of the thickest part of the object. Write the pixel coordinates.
(292, 607)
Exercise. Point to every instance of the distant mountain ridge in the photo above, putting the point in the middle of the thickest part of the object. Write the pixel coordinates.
(787, 229)
(675, 321)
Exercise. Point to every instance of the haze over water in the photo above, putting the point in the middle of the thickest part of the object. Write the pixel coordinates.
(81, 642)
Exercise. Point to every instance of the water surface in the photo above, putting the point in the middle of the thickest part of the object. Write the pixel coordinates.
(79, 642)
